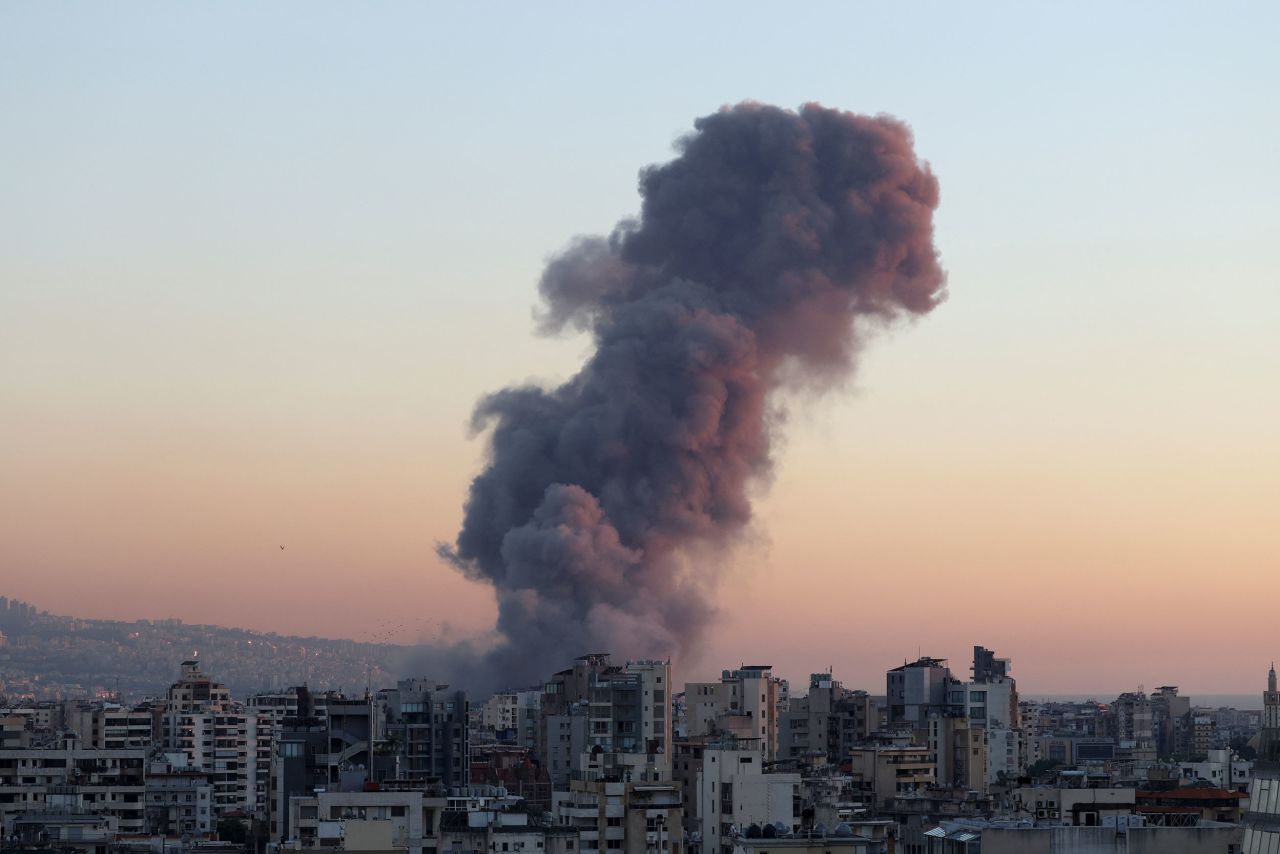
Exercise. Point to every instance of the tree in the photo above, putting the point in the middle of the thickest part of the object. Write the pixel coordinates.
(1243, 749)
(232, 830)
(1043, 767)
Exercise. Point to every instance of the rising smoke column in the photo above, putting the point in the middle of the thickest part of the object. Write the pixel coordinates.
(756, 251)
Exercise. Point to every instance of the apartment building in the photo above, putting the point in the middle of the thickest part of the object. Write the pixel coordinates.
(597, 707)
(193, 694)
(234, 749)
(806, 727)
(511, 717)
(327, 745)
(916, 688)
(745, 702)
(622, 817)
(179, 801)
(888, 771)
(404, 820)
(732, 791)
(111, 726)
(69, 779)
(427, 724)
(959, 748)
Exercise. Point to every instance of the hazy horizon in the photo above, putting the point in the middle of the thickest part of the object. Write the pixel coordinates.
(1245, 698)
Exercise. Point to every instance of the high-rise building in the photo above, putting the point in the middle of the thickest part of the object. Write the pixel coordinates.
(193, 694)
(914, 689)
(1169, 717)
(959, 748)
(324, 744)
(806, 727)
(1262, 821)
(745, 702)
(427, 725)
(988, 668)
(1133, 721)
(1269, 739)
(511, 717)
(619, 716)
(230, 744)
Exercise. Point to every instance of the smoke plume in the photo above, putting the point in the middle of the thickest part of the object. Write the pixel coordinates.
(757, 251)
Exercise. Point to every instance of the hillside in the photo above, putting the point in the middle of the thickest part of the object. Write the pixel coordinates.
(46, 656)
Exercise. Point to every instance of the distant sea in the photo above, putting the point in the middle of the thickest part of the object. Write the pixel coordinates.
(1243, 702)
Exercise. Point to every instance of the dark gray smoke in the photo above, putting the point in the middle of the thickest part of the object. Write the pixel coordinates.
(756, 251)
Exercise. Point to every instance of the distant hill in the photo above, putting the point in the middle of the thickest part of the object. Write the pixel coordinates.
(46, 656)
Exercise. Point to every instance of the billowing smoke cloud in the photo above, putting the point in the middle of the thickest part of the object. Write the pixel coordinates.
(756, 251)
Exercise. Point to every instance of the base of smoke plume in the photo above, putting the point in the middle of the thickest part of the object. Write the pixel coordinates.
(492, 661)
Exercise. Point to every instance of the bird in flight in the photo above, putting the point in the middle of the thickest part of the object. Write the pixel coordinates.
(282, 548)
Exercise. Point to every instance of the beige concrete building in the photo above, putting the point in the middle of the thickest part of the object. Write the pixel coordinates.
(745, 702)
(391, 822)
(959, 747)
(623, 818)
(889, 771)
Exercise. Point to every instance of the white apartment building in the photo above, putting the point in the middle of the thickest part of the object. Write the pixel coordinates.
(234, 749)
(230, 744)
(1220, 767)
(732, 792)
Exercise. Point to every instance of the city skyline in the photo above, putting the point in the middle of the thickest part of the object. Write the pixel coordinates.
(245, 316)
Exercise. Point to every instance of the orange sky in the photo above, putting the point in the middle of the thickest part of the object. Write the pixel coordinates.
(251, 303)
